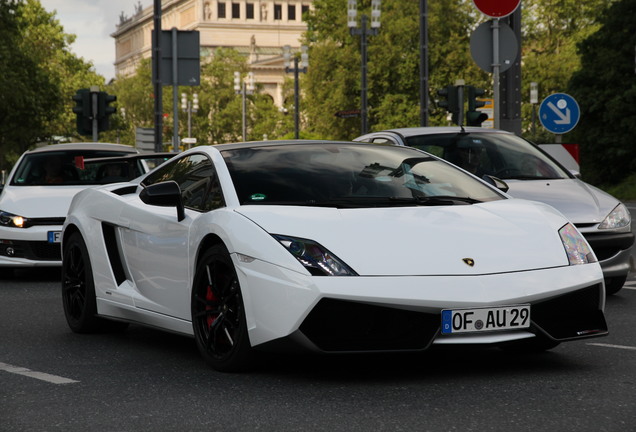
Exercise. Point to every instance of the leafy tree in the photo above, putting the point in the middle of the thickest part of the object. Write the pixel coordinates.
(333, 82)
(551, 32)
(605, 87)
(38, 76)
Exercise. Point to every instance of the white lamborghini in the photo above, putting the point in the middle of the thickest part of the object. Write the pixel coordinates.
(334, 247)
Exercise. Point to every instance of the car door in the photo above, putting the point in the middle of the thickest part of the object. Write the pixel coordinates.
(157, 245)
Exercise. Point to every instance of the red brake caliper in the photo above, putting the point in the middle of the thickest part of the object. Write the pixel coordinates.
(210, 297)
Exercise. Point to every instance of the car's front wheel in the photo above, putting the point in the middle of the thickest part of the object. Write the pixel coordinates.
(78, 290)
(218, 315)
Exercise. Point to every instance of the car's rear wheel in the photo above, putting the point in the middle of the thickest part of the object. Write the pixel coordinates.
(78, 290)
(218, 315)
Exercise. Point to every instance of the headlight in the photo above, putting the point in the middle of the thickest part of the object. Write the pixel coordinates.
(618, 218)
(575, 246)
(314, 257)
(11, 220)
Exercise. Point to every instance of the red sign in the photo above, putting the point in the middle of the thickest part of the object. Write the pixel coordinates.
(497, 8)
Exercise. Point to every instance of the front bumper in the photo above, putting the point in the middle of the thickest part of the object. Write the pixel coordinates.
(613, 251)
(287, 310)
(29, 247)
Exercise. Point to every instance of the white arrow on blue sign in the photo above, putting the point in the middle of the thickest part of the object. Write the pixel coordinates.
(559, 113)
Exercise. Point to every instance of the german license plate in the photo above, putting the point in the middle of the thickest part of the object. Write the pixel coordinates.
(54, 236)
(485, 319)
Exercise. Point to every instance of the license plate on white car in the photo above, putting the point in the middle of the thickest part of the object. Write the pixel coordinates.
(54, 236)
(485, 319)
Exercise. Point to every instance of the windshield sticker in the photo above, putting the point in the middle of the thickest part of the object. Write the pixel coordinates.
(258, 197)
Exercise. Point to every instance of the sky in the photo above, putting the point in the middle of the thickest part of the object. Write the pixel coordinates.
(92, 22)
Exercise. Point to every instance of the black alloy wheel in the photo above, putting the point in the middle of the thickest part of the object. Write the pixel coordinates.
(78, 290)
(218, 315)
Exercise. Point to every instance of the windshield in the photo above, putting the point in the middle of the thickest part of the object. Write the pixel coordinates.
(501, 155)
(69, 167)
(349, 175)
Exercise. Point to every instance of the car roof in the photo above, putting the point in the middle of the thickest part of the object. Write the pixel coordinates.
(254, 144)
(415, 131)
(85, 146)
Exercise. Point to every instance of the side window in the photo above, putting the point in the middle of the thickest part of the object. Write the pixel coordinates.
(197, 179)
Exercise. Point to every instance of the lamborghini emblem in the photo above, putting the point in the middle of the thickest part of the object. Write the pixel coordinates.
(469, 261)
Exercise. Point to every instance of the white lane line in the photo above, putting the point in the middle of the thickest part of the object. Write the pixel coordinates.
(614, 346)
(53, 379)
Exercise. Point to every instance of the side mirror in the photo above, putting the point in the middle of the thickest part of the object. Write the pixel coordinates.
(576, 174)
(496, 182)
(164, 194)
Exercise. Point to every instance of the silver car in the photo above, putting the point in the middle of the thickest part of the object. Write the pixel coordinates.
(531, 174)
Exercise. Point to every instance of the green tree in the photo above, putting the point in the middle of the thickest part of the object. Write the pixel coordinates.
(38, 76)
(551, 32)
(605, 88)
(333, 82)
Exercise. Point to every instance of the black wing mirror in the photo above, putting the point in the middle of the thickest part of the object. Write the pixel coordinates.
(164, 194)
(496, 182)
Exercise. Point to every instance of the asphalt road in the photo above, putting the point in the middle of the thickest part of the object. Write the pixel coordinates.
(146, 380)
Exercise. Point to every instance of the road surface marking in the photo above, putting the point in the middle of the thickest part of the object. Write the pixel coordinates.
(614, 346)
(53, 379)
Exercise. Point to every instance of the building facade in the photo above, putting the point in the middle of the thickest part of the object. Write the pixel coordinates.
(257, 29)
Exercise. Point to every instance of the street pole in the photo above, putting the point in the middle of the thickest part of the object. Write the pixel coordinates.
(495, 71)
(363, 32)
(94, 110)
(423, 63)
(297, 69)
(175, 91)
(158, 89)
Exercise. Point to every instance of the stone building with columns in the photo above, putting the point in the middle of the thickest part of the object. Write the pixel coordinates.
(257, 29)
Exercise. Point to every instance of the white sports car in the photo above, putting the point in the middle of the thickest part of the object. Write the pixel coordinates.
(328, 246)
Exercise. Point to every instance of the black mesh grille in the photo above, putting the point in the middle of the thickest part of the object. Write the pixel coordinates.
(345, 326)
(33, 250)
(571, 315)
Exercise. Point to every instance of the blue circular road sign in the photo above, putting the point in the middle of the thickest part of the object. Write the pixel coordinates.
(559, 113)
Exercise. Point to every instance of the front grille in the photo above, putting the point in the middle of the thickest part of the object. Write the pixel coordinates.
(45, 221)
(32, 250)
(571, 315)
(346, 326)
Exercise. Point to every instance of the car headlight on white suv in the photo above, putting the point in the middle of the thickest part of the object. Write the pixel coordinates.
(10, 220)
(576, 248)
(617, 219)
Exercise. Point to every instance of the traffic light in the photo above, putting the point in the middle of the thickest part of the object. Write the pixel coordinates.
(474, 117)
(83, 111)
(104, 110)
(449, 100)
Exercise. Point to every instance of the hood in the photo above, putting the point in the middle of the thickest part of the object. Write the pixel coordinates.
(38, 201)
(579, 202)
(501, 236)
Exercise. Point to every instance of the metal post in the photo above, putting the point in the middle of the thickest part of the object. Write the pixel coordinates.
(363, 79)
(189, 119)
(94, 111)
(423, 63)
(495, 71)
(296, 100)
(244, 117)
(156, 61)
(175, 89)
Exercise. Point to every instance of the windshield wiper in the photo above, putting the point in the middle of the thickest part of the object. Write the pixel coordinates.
(436, 200)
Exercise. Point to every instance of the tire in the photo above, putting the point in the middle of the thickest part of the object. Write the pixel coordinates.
(78, 290)
(614, 284)
(218, 314)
